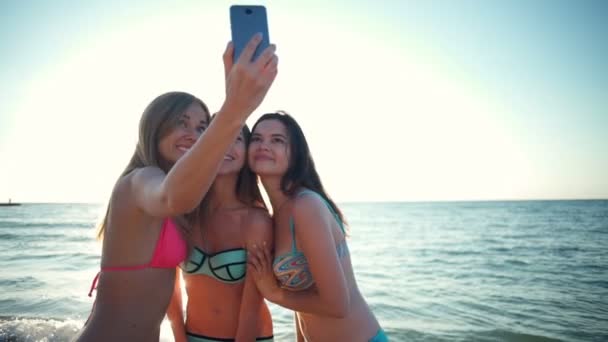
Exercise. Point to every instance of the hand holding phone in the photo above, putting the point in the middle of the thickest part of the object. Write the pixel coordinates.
(247, 81)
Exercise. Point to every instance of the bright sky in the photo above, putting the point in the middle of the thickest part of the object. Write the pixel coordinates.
(416, 100)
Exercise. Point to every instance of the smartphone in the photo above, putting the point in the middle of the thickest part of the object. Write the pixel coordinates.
(245, 22)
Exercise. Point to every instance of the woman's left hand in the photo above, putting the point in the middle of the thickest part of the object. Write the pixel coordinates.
(259, 263)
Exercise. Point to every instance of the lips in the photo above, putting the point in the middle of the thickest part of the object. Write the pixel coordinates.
(261, 157)
(183, 148)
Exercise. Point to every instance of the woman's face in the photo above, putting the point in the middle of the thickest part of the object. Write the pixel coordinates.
(190, 126)
(269, 149)
(234, 159)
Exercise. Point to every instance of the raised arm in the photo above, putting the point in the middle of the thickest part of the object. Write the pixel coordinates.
(182, 189)
(258, 232)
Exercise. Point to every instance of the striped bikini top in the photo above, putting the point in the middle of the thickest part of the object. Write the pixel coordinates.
(291, 269)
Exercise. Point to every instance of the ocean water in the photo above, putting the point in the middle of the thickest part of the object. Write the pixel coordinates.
(449, 271)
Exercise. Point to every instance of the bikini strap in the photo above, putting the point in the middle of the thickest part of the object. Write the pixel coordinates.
(292, 227)
(94, 284)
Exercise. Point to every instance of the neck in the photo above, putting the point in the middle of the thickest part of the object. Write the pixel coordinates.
(277, 197)
(222, 194)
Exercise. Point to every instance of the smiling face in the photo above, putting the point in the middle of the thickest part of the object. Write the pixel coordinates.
(189, 127)
(169, 125)
(234, 159)
(269, 149)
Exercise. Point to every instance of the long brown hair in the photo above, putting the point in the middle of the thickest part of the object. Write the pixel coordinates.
(301, 171)
(159, 118)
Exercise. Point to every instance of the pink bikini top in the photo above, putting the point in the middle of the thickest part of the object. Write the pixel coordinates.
(170, 251)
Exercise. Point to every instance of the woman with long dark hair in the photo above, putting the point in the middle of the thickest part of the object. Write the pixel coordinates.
(311, 272)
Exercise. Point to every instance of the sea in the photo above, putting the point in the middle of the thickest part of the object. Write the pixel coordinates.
(430, 271)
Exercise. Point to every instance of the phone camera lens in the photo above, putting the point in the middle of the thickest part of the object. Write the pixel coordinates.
(248, 11)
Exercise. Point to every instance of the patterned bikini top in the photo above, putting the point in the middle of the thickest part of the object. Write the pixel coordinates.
(291, 269)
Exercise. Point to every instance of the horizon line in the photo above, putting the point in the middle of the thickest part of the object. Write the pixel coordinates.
(386, 201)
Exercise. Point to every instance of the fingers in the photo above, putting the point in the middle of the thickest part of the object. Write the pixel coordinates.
(261, 259)
(265, 57)
(247, 82)
(273, 63)
(249, 49)
(253, 260)
(228, 58)
(270, 71)
(267, 256)
(251, 270)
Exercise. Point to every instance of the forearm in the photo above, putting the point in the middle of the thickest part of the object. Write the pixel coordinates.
(249, 314)
(305, 301)
(175, 313)
(179, 332)
(176, 318)
(177, 325)
(247, 327)
(192, 175)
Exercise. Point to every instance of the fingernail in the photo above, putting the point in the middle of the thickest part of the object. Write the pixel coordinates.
(258, 36)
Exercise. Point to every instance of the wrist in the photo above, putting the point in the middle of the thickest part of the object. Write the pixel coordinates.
(177, 323)
(232, 112)
(275, 295)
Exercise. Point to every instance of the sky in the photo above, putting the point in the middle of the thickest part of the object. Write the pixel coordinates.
(399, 100)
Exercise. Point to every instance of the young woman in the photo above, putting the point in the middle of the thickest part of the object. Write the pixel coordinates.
(168, 175)
(223, 301)
(311, 272)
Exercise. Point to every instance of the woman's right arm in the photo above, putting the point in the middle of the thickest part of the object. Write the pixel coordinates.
(331, 296)
(175, 312)
(182, 189)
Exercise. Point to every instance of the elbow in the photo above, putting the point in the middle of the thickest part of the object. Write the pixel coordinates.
(177, 206)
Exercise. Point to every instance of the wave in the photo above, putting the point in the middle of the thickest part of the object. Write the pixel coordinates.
(46, 224)
(24, 283)
(22, 329)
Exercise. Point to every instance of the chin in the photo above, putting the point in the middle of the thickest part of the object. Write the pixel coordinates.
(228, 171)
(268, 173)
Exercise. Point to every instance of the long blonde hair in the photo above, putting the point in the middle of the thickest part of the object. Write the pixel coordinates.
(158, 119)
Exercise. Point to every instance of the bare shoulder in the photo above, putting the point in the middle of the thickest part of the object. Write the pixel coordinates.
(125, 184)
(142, 175)
(258, 225)
(133, 182)
(309, 205)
